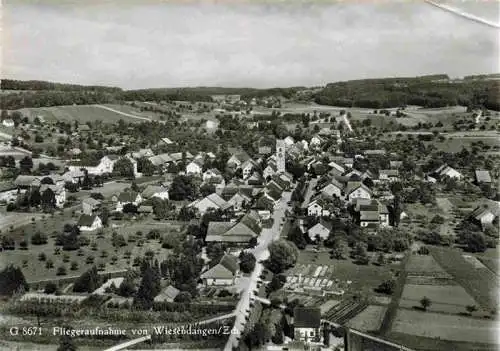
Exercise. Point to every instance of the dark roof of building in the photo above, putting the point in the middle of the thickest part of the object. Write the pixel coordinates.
(127, 196)
(86, 220)
(306, 317)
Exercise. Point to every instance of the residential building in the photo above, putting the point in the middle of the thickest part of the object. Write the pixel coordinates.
(128, 197)
(157, 191)
(105, 165)
(167, 295)
(333, 189)
(235, 234)
(484, 215)
(89, 205)
(447, 171)
(357, 190)
(195, 167)
(222, 274)
(88, 223)
(211, 173)
(482, 177)
(388, 175)
(9, 123)
(307, 324)
(213, 201)
(321, 229)
(318, 207)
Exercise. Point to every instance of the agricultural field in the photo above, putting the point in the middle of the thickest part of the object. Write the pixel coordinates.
(80, 113)
(445, 298)
(444, 326)
(369, 319)
(481, 283)
(491, 259)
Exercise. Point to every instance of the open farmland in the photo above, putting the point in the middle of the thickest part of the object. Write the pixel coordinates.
(445, 298)
(80, 113)
(480, 283)
(447, 327)
(369, 319)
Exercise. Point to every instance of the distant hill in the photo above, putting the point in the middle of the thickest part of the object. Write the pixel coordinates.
(429, 91)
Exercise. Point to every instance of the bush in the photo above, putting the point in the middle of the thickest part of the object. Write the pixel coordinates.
(39, 239)
(50, 288)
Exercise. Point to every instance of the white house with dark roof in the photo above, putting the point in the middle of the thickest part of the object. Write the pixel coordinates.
(105, 165)
(235, 234)
(211, 173)
(247, 168)
(484, 215)
(388, 175)
(321, 229)
(128, 197)
(307, 324)
(222, 274)
(318, 207)
(333, 189)
(89, 205)
(88, 223)
(357, 190)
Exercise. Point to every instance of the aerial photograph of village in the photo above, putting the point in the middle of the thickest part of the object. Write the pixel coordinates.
(249, 175)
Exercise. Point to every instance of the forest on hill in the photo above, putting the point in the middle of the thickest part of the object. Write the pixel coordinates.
(426, 91)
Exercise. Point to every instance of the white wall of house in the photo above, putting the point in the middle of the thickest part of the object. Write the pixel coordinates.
(96, 225)
(161, 195)
(305, 334)
(218, 282)
(359, 193)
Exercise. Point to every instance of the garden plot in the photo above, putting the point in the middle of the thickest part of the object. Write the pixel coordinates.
(447, 298)
(369, 319)
(474, 262)
(446, 327)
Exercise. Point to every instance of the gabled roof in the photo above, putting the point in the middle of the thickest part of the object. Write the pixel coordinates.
(389, 172)
(168, 294)
(128, 196)
(352, 186)
(483, 176)
(216, 199)
(91, 201)
(27, 180)
(480, 211)
(241, 155)
(213, 171)
(167, 141)
(86, 220)
(153, 189)
(225, 269)
(369, 216)
(324, 224)
(306, 317)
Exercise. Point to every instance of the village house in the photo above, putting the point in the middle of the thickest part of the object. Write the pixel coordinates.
(318, 207)
(316, 141)
(195, 167)
(307, 324)
(336, 169)
(270, 169)
(238, 157)
(157, 191)
(484, 215)
(88, 223)
(446, 171)
(482, 177)
(240, 200)
(222, 274)
(247, 168)
(333, 189)
(357, 190)
(388, 175)
(167, 295)
(27, 181)
(165, 141)
(289, 141)
(235, 234)
(321, 229)
(212, 201)
(105, 166)
(74, 176)
(89, 205)
(128, 197)
(211, 173)
(9, 123)
(371, 213)
(59, 193)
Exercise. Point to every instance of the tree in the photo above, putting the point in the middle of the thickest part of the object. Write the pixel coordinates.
(183, 297)
(129, 208)
(282, 255)
(50, 288)
(339, 251)
(360, 254)
(145, 166)
(26, 164)
(123, 167)
(48, 199)
(247, 262)
(35, 197)
(66, 342)
(215, 251)
(425, 302)
(296, 236)
(88, 281)
(13, 281)
(127, 287)
(277, 282)
(207, 189)
(386, 287)
(148, 288)
(182, 188)
(257, 337)
(39, 239)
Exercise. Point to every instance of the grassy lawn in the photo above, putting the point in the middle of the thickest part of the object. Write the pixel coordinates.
(422, 265)
(447, 327)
